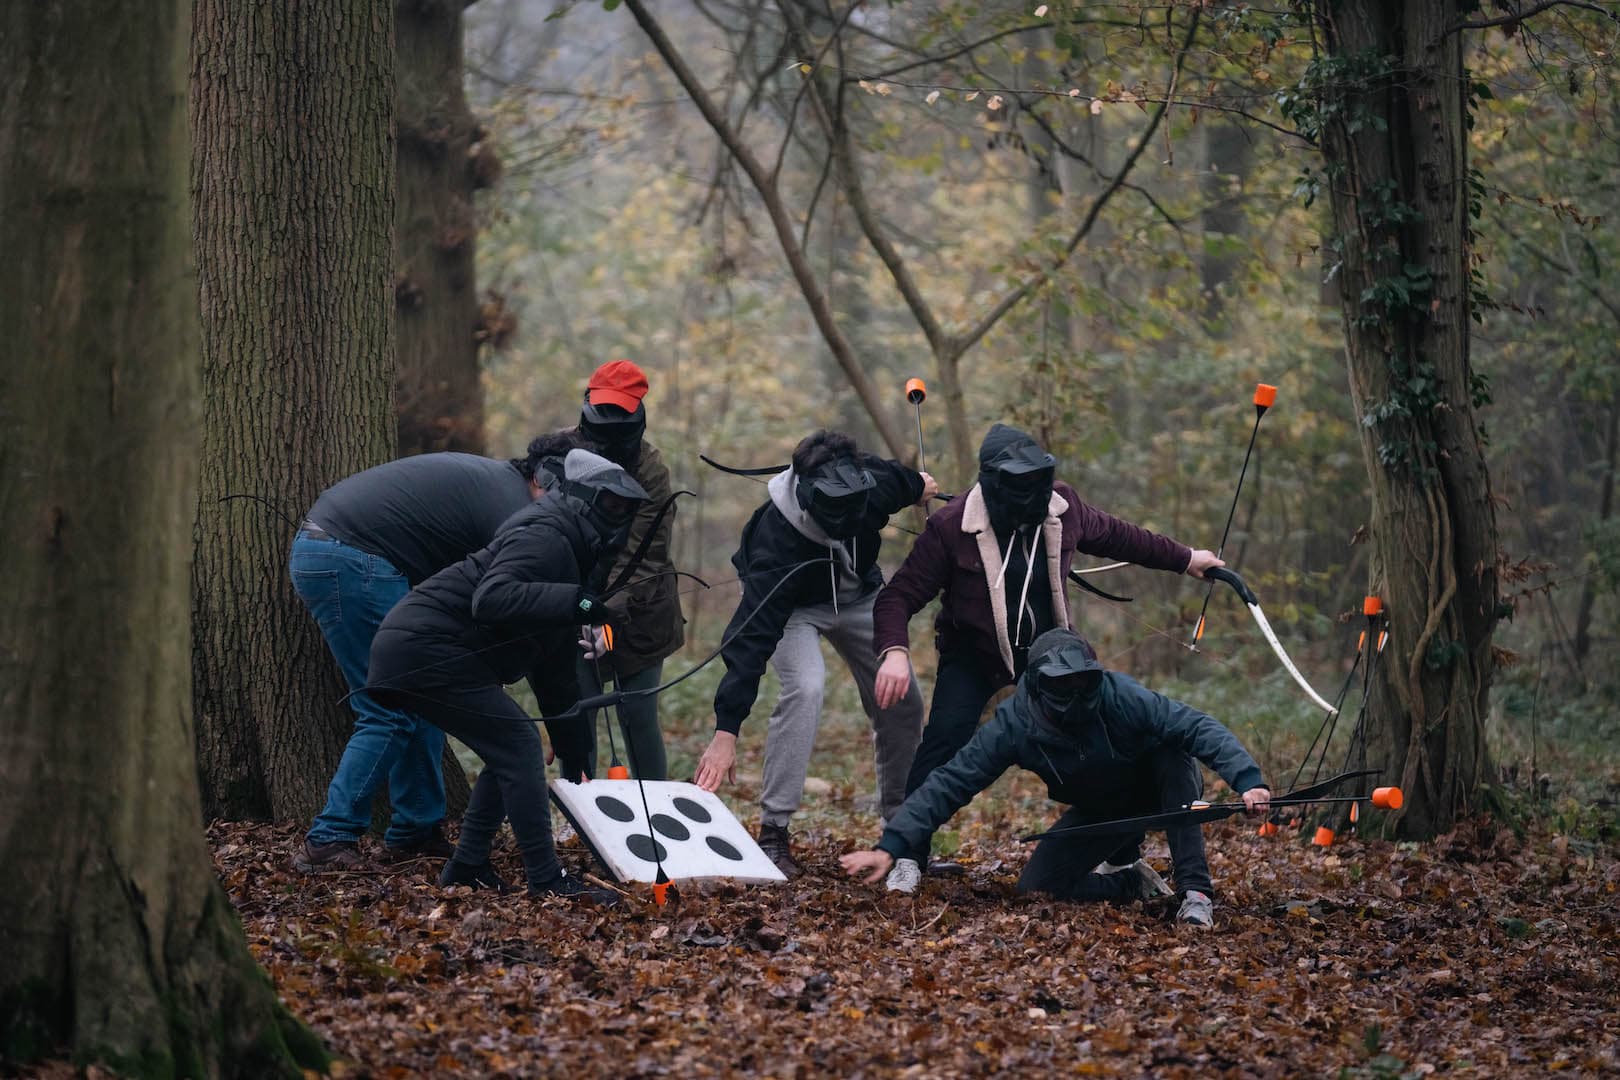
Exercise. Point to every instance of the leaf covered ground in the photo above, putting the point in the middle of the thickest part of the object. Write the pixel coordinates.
(1482, 955)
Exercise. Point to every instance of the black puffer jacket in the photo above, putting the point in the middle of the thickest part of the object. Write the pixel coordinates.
(772, 545)
(502, 613)
(1085, 767)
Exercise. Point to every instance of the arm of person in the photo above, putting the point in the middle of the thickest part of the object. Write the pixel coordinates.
(920, 578)
(532, 583)
(898, 486)
(1106, 536)
(950, 787)
(1183, 727)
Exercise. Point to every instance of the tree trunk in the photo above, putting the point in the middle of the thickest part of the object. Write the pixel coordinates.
(1583, 608)
(1394, 138)
(293, 180)
(441, 160)
(119, 945)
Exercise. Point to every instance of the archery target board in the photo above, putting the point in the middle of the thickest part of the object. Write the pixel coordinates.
(697, 836)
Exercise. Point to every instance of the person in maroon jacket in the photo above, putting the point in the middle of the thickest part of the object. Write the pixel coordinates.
(1001, 555)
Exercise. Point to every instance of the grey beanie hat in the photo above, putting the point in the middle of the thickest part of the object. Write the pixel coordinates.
(594, 470)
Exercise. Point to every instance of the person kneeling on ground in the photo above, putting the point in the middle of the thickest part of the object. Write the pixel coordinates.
(1108, 747)
(512, 609)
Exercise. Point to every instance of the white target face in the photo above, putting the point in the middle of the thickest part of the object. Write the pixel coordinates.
(695, 835)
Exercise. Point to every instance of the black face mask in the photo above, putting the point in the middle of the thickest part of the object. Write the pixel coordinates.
(608, 511)
(1068, 684)
(837, 496)
(1017, 486)
(617, 434)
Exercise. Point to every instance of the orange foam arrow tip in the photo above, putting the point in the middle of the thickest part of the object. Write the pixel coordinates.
(618, 772)
(1269, 828)
(916, 390)
(1323, 837)
(661, 893)
(1265, 395)
(1388, 798)
(1371, 606)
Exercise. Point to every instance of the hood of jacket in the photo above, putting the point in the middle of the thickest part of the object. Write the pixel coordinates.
(783, 488)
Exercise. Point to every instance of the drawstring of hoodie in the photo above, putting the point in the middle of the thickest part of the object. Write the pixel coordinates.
(1029, 573)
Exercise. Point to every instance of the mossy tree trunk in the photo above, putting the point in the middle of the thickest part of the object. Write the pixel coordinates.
(117, 944)
(443, 157)
(1393, 111)
(293, 182)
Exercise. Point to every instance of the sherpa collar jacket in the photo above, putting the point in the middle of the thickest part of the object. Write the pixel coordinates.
(958, 554)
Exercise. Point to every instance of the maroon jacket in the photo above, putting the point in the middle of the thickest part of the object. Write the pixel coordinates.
(957, 553)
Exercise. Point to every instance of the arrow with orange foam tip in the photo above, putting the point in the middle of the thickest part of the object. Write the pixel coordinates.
(1265, 396)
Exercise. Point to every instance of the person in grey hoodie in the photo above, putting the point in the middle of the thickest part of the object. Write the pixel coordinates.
(808, 567)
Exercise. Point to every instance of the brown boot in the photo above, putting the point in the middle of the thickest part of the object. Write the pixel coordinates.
(337, 856)
(775, 843)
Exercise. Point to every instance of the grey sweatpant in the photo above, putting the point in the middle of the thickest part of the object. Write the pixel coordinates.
(798, 663)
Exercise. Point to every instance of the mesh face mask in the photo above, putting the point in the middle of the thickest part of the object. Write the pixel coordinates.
(837, 495)
(618, 433)
(1017, 485)
(610, 504)
(1065, 678)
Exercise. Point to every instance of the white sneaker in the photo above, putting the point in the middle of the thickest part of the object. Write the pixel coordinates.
(905, 877)
(1197, 910)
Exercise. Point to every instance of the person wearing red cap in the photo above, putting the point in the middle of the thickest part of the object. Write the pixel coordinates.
(646, 617)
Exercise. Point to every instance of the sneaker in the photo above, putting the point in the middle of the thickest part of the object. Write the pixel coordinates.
(775, 843)
(337, 856)
(479, 876)
(432, 844)
(1197, 909)
(905, 877)
(1150, 885)
(572, 888)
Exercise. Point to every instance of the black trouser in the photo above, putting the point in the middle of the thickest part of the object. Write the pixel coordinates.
(512, 784)
(1062, 866)
(962, 688)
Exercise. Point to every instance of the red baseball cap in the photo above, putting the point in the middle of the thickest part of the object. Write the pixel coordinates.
(617, 382)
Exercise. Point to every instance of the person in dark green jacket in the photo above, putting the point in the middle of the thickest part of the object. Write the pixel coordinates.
(1109, 748)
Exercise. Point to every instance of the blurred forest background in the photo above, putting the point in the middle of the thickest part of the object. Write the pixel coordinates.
(981, 137)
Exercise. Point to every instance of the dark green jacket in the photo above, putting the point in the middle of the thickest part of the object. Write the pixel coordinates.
(648, 624)
(1088, 768)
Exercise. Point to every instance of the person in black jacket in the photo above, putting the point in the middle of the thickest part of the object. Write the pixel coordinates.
(808, 566)
(364, 543)
(510, 610)
(1108, 747)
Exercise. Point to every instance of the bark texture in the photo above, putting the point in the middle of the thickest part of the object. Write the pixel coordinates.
(442, 159)
(118, 945)
(293, 181)
(1394, 116)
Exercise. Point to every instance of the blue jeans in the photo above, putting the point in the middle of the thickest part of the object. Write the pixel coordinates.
(349, 592)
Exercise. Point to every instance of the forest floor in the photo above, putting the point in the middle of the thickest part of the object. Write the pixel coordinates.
(1485, 954)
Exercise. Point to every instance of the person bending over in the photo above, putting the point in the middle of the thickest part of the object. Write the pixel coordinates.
(365, 542)
(510, 610)
(1001, 554)
(1109, 748)
(824, 511)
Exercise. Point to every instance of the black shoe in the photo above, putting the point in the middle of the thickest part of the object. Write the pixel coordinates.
(326, 858)
(432, 844)
(573, 888)
(480, 876)
(775, 843)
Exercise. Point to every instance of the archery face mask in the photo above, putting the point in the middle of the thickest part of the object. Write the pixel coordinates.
(616, 432)
(608, 497)
(1017, 485)
(836, 495)
(1068, 683)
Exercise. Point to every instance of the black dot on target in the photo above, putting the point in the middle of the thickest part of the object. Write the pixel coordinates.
(670, 827)
(642, 847)
(723, 849)
(614, 809)
(694, 810)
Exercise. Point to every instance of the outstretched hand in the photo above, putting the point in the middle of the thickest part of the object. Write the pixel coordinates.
(1257, 800)
(930, 489)
(870, 866)
(719, 762)
(1202, 560)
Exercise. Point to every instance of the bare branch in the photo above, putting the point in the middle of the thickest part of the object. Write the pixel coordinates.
(1535, 9)
(815, 297)
(1012, 299)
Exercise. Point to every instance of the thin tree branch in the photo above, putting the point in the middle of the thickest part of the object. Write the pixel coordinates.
(804, 84)
(1536, 9)
(815, 297)
(1012, 299)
